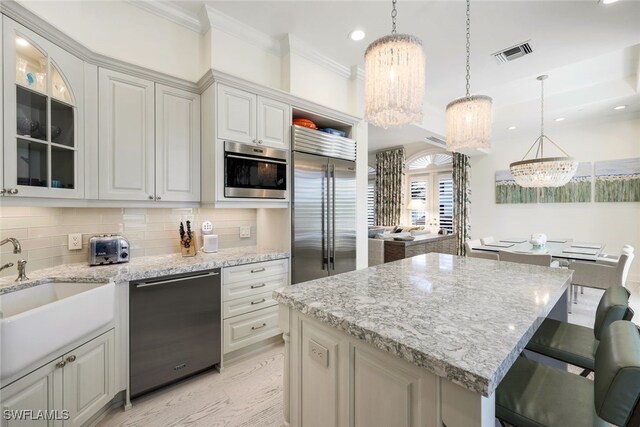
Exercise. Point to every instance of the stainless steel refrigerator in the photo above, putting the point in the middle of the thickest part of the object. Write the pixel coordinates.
(323, 206)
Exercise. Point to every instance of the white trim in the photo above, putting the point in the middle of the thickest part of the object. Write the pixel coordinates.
(170, 12)
(293, 44)
(220, 21)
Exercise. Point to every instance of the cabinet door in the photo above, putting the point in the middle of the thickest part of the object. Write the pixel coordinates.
(41, 390)
(236, 115)
(274, 122)
(126, 137)
(89, 378)
(43, 97)
(177, 145)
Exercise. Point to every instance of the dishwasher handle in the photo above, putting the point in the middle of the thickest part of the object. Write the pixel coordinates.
(177, 279)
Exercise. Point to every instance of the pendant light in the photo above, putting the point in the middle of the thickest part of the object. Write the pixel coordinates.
(543, 171)
(394, 79)
(469, 118)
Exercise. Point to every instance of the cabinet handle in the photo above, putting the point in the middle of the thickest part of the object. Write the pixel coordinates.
(150, 197)
(71, 358)
(258, 286)
(13, 191)
(158, 198)
(61, 364)
(253, 328)
(258, 270)
(2, 191)
(258, 301)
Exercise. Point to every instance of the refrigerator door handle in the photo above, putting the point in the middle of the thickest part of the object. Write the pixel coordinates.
(325, 183)
(332, 257)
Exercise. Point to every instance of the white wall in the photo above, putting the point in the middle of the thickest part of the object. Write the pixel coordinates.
(614, 224)
(120, 30)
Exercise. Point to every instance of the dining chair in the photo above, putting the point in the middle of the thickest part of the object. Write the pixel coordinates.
(473, 253)
(601, 275)
(535, 394)
(488, 239)
(533, 259)
(576, 344)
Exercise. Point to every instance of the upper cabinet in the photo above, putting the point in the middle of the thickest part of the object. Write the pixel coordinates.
(43, 117)
(252, 119)
(149, 140)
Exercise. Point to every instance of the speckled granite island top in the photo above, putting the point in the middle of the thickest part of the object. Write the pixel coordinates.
(141, 268)
(464, 319)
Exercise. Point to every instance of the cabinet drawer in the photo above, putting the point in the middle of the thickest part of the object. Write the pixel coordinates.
(248, 304)
(256, 270)
(252, 287)
(250, 328)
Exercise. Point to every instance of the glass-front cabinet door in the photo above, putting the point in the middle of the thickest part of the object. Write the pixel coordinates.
(43, 117)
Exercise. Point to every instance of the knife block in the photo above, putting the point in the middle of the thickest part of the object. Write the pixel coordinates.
(188, 246)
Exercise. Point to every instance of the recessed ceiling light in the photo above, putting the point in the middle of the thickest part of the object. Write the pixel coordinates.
(620, 107)
(21, 42)
(559, 119)
(356, 35)
(511, 128)
(608, 1)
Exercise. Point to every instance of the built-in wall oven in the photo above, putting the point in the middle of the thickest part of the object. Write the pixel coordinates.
(255, 172)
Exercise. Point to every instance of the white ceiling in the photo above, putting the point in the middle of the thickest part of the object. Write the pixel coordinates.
(590, 51)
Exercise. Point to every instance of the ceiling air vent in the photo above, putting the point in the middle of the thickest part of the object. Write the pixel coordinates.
(514, 52)
(437, 141)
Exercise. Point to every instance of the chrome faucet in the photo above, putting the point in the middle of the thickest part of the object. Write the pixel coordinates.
(22, 271)
(16, 244)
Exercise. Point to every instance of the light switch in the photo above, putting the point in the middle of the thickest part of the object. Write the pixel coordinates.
(318, 353)
(245, 231)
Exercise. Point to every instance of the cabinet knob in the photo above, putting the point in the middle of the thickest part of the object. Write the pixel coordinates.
(12, 191)
(71, 358)
(158, 198)
(61, 364)
(2, 191)
(259, 141)
(150, 197)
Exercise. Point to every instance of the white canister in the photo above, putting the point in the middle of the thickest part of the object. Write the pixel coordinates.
(210, 243)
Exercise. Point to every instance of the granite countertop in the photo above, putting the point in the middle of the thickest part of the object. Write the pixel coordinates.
(464, 319)
(141, 268)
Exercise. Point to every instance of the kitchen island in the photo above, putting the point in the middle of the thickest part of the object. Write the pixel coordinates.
(419, 342)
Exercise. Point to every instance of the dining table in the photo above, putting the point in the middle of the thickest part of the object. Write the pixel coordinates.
(565, 248)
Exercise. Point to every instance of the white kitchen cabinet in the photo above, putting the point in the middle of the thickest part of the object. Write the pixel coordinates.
(89, 378)
(149, 140)
(177, 174)
(43, 144)
(126, 137)
(248, 118)
(73, 387)
(41, 390)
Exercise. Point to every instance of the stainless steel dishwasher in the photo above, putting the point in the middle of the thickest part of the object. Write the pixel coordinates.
(174, 328)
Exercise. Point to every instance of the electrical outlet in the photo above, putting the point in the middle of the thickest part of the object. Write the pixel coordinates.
(207, 227)
(245, 231)
(75, 241)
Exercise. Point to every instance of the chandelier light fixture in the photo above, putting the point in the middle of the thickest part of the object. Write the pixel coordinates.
(543, 171)
(394, 79)
(469, 119)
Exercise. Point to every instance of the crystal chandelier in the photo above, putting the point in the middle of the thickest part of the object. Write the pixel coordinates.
(543, 171)
(394, 79)
(469, 118)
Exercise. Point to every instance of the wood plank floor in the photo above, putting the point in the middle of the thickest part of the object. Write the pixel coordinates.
(246, 393)
(249, 391)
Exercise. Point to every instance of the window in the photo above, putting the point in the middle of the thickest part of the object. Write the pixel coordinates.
(445, 201)
(419, 192)
(371, 197)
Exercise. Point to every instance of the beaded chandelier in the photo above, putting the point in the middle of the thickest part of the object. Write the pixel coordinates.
(394, 79)
(469, 119)
(543, 171)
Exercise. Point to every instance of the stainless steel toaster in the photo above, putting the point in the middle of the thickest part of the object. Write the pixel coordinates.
(108, 249)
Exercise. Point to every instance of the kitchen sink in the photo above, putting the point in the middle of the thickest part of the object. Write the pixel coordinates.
(36, 322)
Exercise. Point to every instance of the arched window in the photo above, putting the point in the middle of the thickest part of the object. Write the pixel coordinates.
(426, 160)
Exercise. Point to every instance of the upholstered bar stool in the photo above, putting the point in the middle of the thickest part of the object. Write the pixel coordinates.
(535, 395)
(575, 344)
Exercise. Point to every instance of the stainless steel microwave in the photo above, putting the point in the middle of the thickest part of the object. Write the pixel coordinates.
(255, 172)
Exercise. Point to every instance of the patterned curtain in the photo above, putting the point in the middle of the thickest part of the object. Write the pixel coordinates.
(389, 175)
(461, 199)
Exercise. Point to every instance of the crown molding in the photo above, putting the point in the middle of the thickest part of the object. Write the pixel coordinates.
(295, 45)
(222, 22)
(171, 12)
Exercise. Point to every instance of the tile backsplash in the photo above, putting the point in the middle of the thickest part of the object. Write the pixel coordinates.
(43, 231)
